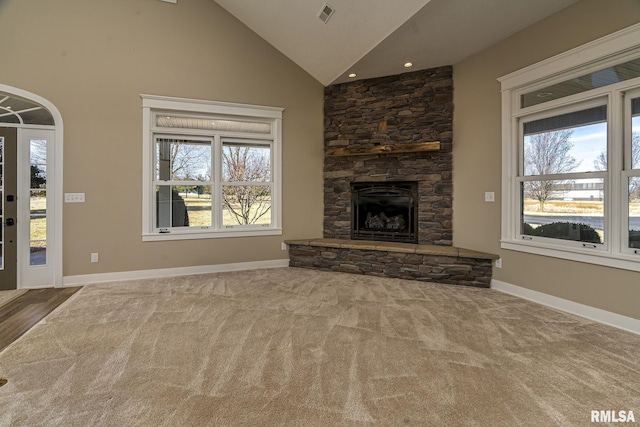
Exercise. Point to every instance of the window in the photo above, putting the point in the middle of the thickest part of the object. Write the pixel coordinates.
(631, 174)
(211, 169)
(563, 175)
(246, 182)
(571, 154)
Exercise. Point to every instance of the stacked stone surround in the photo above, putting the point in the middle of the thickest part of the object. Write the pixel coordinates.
(407, 108)
(429, 263)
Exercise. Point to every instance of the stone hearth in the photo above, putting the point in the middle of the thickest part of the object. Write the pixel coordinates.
(428, 263)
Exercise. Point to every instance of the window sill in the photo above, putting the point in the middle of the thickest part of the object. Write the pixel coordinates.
(156, 237)
(620, 260)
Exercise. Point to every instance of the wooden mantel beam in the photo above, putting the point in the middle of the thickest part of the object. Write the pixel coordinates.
(384, 149)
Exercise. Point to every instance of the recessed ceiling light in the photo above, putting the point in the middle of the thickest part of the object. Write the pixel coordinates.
(352, 75)
(544, 94)
(408, 64)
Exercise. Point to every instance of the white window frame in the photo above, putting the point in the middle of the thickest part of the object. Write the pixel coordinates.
(615, 48)
(153, 105)
(595, 100)
(627, 171)
(221, 183)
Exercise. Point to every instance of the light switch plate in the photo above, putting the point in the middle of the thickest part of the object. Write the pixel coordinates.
(74, 197)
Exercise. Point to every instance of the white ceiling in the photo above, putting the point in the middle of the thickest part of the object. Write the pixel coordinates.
(374, 38)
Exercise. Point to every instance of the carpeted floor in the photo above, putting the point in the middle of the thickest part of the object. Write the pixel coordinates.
(6, 296)
(301, 347)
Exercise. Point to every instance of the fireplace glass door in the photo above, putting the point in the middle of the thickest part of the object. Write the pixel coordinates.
(384, 211)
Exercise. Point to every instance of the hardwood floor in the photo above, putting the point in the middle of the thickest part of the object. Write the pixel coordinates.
(23, 312)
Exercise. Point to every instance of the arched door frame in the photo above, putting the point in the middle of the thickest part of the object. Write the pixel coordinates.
(57, 184)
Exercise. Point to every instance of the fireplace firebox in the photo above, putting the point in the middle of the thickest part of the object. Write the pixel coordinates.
(385, 211)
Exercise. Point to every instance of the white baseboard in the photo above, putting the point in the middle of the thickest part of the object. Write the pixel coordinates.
(86, 279)
(602, 316)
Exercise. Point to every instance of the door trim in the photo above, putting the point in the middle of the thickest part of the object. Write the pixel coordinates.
(56, 186)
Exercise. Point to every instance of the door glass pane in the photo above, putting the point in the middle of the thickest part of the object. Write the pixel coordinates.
(38, 245)
(29, 111)
(38, 202)
(13, 119)
(567, 210)
(634, 212)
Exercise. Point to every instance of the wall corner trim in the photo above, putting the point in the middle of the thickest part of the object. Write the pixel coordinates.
(88, 279)
(628, 324)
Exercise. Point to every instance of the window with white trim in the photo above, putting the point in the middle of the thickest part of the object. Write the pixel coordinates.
(571, 154)
(631, 173)
(210, 169)
(562, 175)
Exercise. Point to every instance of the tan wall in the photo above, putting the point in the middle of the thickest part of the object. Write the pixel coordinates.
(92, 59)
(477, 156)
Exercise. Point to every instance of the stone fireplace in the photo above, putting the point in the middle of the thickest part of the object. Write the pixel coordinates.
(388, 183)
(375, 119)
(384, 211)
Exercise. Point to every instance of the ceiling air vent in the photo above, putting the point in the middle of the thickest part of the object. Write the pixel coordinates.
(325, 13)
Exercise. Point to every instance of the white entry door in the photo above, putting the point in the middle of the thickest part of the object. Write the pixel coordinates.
(31, 189)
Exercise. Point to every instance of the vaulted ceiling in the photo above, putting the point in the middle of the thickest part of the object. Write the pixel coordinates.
(374, 38)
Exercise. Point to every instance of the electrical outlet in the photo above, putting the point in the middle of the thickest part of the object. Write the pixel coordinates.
(489, 196)
(283, 246)
(94, 257)
(498, 263)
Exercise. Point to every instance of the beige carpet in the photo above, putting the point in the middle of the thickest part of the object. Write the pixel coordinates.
(6, 296)
(298, 347)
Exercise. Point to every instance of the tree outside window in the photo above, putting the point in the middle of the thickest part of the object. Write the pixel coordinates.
(246, 192)
(547, 153)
